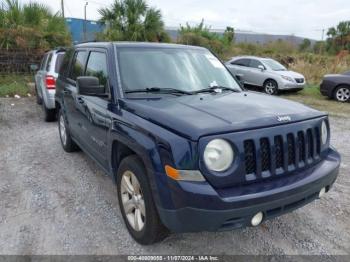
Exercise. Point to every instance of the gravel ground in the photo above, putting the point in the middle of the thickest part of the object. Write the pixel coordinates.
(52, 202)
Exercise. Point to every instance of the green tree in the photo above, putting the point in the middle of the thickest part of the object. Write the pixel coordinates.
(305, 45)
(132, 20)
(339, 37)
(229, 35)
(31, 25)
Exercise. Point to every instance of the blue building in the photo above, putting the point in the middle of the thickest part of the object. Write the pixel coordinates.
(76, 28)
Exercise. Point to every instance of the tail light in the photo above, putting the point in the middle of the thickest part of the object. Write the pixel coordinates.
(50, 82)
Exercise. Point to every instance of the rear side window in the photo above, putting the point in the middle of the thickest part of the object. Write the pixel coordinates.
(48, 64)
(65, 63)
(78, 64)
(241, 62)
(59, 60)
(42, 65)
(97, 66)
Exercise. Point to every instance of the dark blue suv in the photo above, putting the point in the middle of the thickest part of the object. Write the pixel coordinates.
(189, 149)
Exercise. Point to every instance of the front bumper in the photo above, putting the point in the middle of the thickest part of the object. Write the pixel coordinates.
(285, 85)
(202, 208)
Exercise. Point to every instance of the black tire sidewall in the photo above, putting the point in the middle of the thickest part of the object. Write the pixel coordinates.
(153, 227)
(70, 146)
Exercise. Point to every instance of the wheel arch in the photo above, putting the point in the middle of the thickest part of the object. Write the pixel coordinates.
(270, 79)
(337, 86)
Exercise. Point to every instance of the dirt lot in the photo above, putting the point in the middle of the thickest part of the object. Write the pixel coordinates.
(52, 202)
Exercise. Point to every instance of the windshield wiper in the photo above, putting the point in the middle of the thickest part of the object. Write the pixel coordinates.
(159, 90)
(216, 89)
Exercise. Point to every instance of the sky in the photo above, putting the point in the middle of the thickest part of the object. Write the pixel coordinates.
(305, 18)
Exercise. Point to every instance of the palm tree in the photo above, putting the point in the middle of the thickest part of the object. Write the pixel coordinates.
(132, 20)
(31, 25)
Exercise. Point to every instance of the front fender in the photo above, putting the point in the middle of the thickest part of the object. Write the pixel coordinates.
(156, 147)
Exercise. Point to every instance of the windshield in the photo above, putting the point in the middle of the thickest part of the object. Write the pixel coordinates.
(274, 65)
(187, 70)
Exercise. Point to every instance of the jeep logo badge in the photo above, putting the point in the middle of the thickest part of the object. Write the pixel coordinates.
(284, 118)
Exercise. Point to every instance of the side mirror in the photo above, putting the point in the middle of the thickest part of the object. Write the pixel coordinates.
(33, 67)
(89, 86)
(261, 67)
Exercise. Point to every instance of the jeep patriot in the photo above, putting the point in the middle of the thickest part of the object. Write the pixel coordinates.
(188, 148)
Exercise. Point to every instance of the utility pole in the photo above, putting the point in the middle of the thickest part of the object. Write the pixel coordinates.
(62, 8)
(323, 30)
(86, 4)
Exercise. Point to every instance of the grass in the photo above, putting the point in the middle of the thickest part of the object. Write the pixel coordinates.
(11, 85)
(312, 97)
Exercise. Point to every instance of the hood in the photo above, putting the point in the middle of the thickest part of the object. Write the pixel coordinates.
(291, 74)
(208, 114)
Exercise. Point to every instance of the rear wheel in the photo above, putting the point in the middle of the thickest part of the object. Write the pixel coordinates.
(66, 140)
(39, 101)
(136, 203)
(271, 87)
(342, 94)
(49, 114)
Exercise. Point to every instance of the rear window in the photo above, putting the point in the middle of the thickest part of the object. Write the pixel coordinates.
(241, 62)
(59, 61)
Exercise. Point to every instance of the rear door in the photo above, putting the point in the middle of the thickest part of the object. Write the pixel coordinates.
(72, 104)
(239, 68)
(40, 75)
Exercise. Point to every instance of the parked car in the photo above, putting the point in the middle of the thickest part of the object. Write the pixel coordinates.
(45, 82)
(266, 73)
(189, 149)
(336, 86)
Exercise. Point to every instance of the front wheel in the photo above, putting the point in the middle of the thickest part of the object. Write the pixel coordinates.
(271, 87)
(136, 203)
(342, 94)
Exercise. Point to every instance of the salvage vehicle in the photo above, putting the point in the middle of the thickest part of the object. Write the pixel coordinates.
(45, 82)
(188, 148)
(336, 86)
(266, 73)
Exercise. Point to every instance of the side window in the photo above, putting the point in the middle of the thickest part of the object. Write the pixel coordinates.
(97, 66)
(78, 64)
(48, 64)
(241, 62)
(255, 63)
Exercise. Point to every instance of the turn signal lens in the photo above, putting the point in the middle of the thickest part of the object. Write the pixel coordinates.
(184, 175)
(172, 172)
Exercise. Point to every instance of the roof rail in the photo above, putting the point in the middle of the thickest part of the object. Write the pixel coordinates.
(88, 41)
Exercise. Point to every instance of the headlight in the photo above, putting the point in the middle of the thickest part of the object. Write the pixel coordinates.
(288, 78)
(218, 155)
(324, 133)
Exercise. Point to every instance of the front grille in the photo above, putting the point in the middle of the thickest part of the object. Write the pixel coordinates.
(281, 154)
(299, 80)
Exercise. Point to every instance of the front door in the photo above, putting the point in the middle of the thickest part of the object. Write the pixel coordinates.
(94, 122)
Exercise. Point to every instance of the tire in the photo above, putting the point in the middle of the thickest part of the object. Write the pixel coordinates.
(49, 114)
(66, 141)
(342, 93)
(271, 87)
(39, 101)
(135, 195)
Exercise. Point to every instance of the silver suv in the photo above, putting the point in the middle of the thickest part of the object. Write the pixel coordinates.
(266, 73)
(45, 82)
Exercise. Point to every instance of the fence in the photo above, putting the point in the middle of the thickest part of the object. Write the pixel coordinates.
(15, 61)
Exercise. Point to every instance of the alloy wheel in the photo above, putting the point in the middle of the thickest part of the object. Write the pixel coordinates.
(270, 88)
(133, 201)
(343, 94)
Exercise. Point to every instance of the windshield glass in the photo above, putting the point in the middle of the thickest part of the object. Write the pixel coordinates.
(188, 70)
(274, 65)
